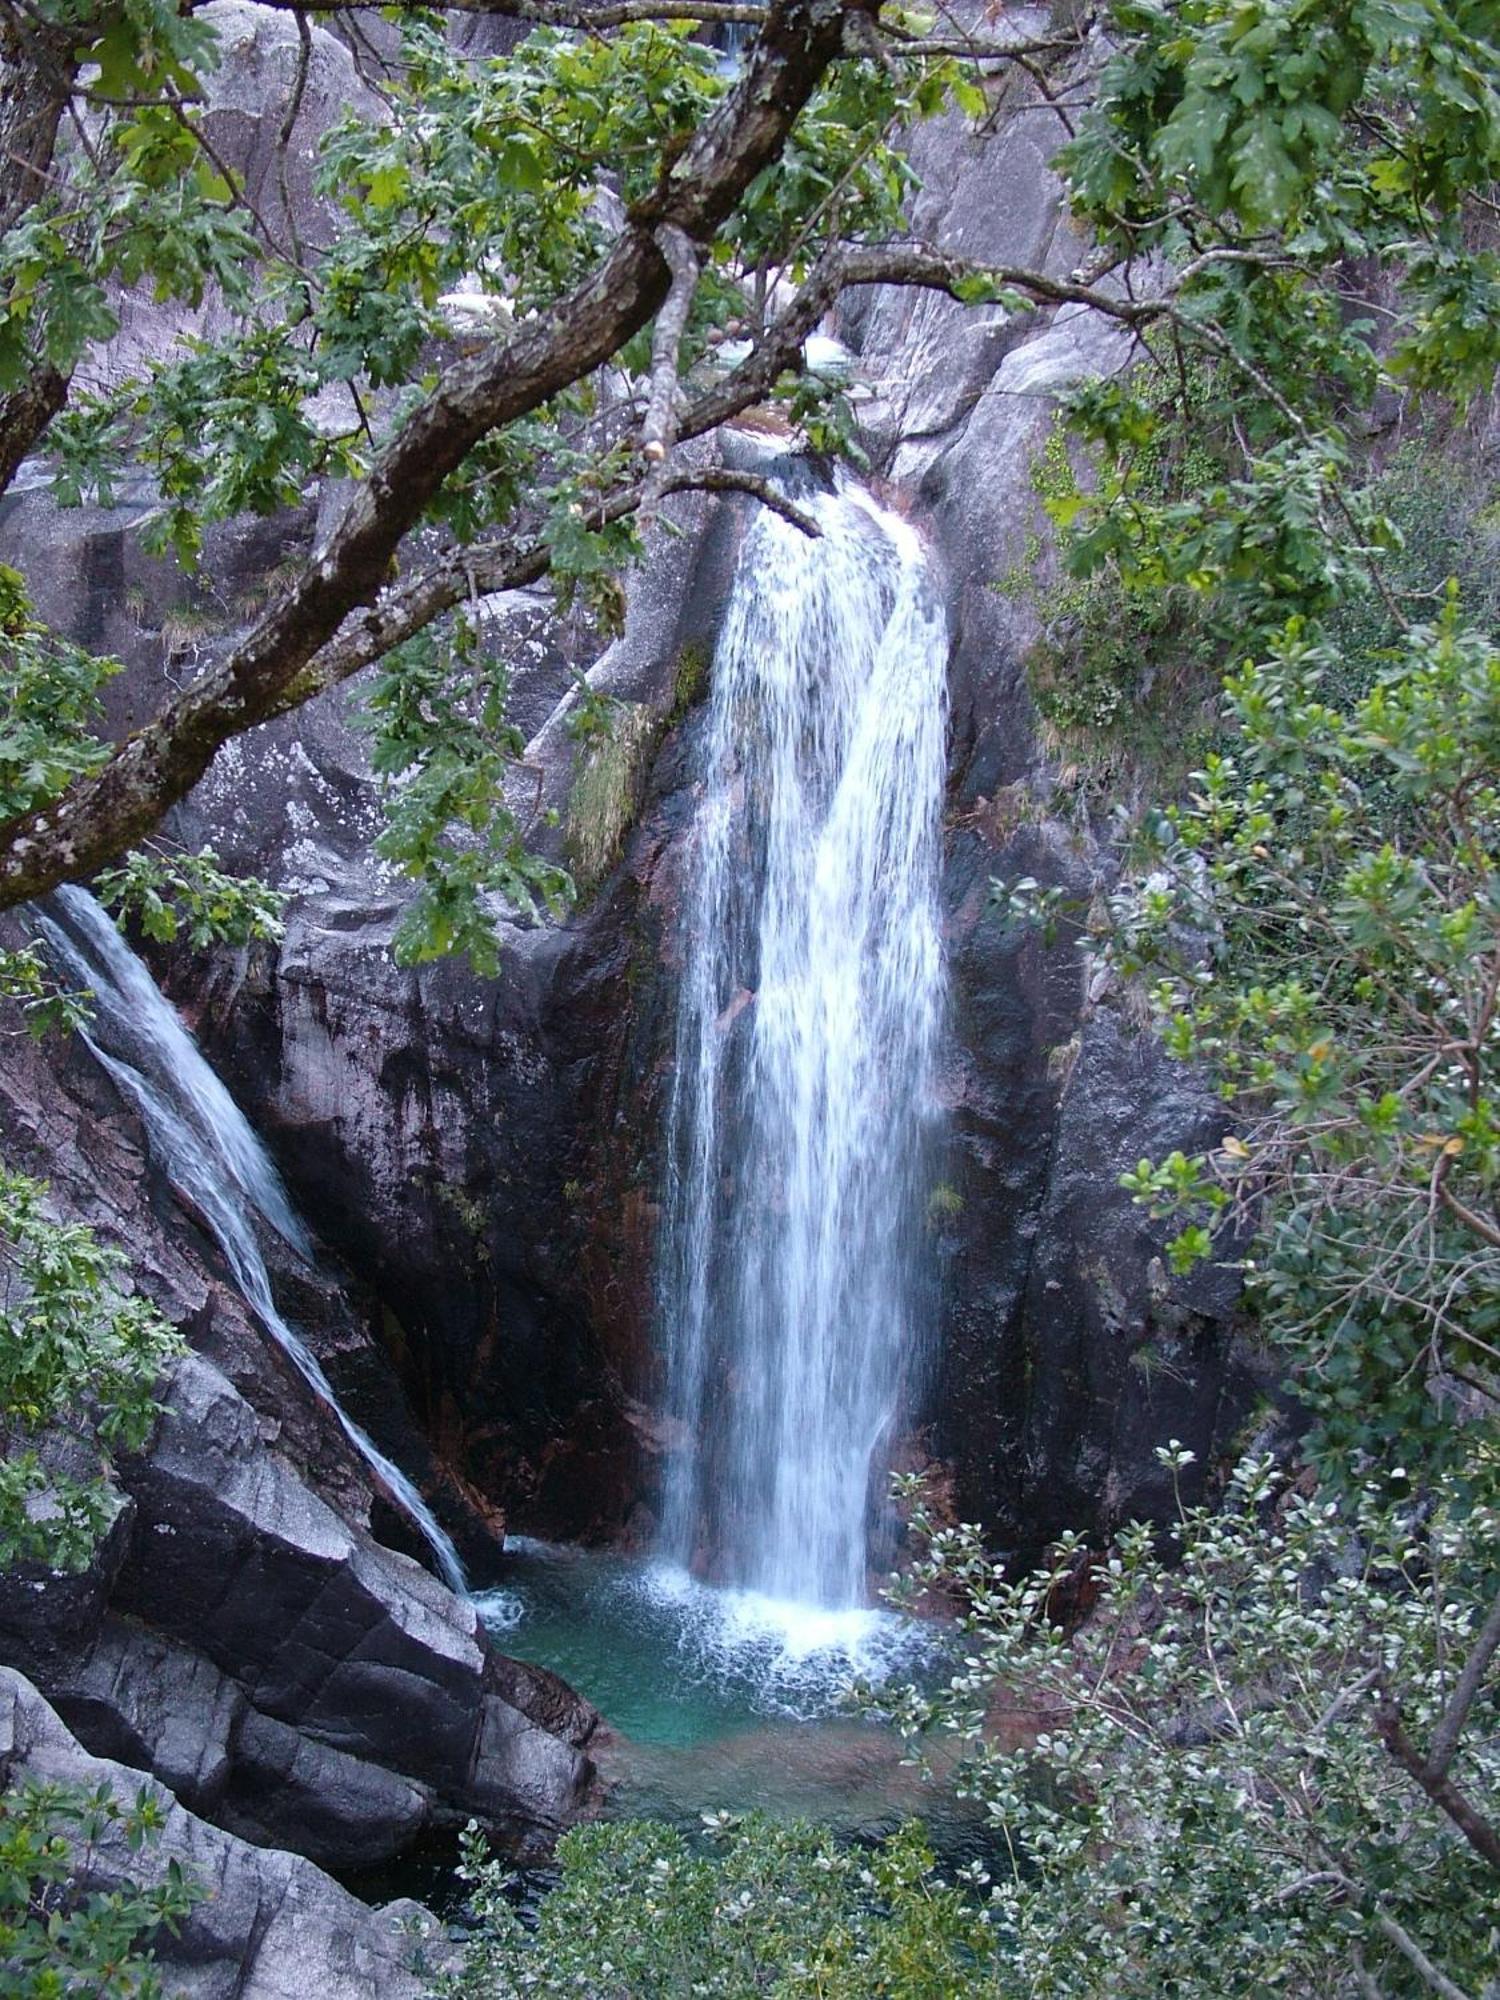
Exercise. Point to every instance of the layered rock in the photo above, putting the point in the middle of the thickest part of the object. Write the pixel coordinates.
(267, 1926)
(241, 1633)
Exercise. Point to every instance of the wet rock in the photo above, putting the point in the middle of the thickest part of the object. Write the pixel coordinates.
(354, 1647)
(239, 1586)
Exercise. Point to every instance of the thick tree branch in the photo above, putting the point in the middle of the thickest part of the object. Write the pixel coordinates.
(38, 71)
(25, 414)
(96, 817)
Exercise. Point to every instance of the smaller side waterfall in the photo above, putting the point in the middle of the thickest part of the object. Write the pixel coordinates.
(804, 1105)
(205, 1145)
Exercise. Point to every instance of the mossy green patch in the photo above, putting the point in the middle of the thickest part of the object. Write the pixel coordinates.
(608, 773)
(690, 681)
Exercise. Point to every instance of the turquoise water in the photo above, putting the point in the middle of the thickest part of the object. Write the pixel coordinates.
(720, 1700)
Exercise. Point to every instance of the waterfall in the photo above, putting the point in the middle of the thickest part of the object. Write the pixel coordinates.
(794, 1287)
(204, 1144)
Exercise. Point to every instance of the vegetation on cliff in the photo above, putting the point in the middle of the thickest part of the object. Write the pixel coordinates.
(1268, 1764)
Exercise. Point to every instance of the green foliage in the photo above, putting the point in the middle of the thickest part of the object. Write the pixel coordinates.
(77, 1356)
(641, 1913)
(1190, 1793)
(52, 703)
(58, 1941)
(1257, 147)
(170, 894)
(1320, 923)
(1202, 1802)
(443, 746)
(143, 204)
(28, 981)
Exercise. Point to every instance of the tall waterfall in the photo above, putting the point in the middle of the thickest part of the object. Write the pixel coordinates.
(204, 1144)
(799, 1149)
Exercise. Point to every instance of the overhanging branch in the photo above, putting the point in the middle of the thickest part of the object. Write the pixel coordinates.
(96, 817)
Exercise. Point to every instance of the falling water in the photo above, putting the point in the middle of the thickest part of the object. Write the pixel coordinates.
(799, 1148)
(206, 1147)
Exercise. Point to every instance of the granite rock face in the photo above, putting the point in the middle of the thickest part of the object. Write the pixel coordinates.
(270, 1926)
(485, 1154)
(279, 1670)
(241, 1634)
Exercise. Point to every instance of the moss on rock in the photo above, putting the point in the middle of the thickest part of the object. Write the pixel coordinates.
(608, 775)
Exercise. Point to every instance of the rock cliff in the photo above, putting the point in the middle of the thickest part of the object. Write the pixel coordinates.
(483, 1155)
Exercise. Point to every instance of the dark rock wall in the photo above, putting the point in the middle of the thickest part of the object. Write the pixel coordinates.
(271, 1926)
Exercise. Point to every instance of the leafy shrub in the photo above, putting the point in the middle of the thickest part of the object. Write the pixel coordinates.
(56, 1940)
(643, 1914)
(77, 1357)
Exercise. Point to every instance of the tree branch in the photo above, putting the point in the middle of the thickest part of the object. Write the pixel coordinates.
(1410, 1950)
(659, 426)
(726, 479)
(508, 563)
(1486, 1231)
(38, 72)
(98, 816)
(1456, 1714)
(1440, 1788)
(25, 413)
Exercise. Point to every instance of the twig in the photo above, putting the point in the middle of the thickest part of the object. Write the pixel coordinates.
(284, 136)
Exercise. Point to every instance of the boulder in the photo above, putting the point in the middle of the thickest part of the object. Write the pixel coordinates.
(239, 1632)
(350, 1646)
(290, 1791)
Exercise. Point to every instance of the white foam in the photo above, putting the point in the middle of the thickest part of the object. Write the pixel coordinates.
(500, 1610)
(799, 1658)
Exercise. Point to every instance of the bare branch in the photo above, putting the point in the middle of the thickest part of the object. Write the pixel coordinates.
(1456, 1714)
(899, 263)
(726, 479)
(1466, 1215)
(284, 136)
(1410, 1950)
(509, 563)
(659, 426)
